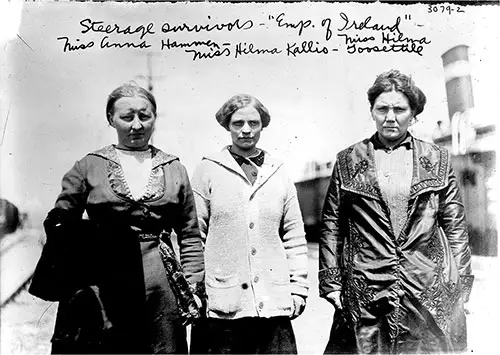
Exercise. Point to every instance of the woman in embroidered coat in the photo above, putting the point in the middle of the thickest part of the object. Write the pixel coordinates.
(255, 251)
(134, 195)
(394, 255)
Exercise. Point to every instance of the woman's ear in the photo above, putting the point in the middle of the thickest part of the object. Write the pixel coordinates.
(110, 120)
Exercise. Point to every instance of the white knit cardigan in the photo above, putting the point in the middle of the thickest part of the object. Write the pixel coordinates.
(252, 265)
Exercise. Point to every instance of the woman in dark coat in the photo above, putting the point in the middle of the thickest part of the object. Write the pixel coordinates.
(118, 264)
(394, 255)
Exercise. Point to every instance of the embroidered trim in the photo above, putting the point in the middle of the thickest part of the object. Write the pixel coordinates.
(115, 177)
(467, 281)
(354, 163)
(431, 175)
(355, 244)
(155, 187)
(441, 297)
(349, 182)
(427, 165)
(360, 168)
(435, 250)
(330, 275)
(356, 292)
(353, 174)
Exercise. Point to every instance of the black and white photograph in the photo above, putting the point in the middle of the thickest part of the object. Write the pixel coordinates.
(207, 177)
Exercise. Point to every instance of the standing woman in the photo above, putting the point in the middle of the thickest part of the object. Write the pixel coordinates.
(134, 195)
(255, 251)
(394, 254)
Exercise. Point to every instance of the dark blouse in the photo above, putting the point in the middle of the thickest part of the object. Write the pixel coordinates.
(250, 169)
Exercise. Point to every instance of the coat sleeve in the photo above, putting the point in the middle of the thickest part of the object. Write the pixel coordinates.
(73, 196)
(330, 239)
(187, 230)
(294, 241)
(452, 220)
(70, 204)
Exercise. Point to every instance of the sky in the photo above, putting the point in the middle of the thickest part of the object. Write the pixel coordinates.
(52, 102)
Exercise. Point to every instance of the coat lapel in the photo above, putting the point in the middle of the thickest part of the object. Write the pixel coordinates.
(116, 177)
(267, 169)
(357, 170)
(358, 173)
(225, 160)
(159, 157)
(430, 167)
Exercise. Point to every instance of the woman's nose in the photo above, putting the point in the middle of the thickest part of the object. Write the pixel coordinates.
(391, 116)
(136, 123)
(246, 128)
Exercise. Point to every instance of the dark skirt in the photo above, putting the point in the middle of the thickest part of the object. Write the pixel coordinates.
(138, 301)
(252, 335)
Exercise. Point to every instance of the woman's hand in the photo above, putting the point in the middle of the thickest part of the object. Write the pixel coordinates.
(299, 304)
(334, 298)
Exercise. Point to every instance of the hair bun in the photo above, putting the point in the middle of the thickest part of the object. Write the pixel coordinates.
(421, 101)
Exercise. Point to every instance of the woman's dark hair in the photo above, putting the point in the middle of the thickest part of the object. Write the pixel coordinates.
(397, 81)
(236, 102)
(128, 90)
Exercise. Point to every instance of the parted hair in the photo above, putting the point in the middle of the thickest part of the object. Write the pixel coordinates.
(397, 81)
(130, 89)
(237, 102)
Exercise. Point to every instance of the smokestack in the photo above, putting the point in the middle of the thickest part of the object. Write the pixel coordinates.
(458, 79)
(460, 98)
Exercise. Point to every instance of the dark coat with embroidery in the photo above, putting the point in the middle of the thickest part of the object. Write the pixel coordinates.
(134, 287)
(400, 293)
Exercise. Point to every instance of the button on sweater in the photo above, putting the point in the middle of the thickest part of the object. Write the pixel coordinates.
(252, 269)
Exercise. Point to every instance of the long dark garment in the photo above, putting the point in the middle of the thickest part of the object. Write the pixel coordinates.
(248, 335)
(120, 257)
(133, 307)
(400, 293)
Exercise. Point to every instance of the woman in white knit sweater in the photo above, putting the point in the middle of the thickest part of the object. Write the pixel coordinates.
(255, 247)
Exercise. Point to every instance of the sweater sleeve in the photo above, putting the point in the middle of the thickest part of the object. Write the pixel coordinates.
(294, 241)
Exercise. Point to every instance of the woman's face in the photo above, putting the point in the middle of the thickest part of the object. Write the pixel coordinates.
(245, 127)
(134, 121)
(392, 114)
